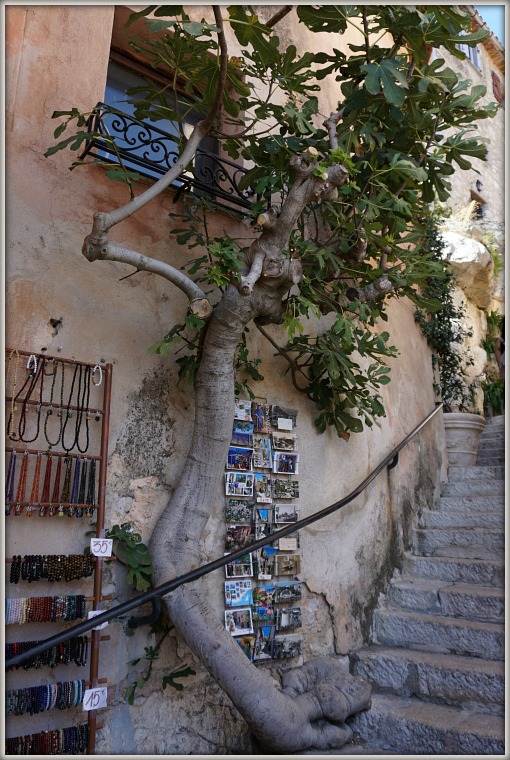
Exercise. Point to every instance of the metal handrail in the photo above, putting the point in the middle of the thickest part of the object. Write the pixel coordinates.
(390, 461)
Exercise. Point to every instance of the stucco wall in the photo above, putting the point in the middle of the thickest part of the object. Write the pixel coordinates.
(346, 560)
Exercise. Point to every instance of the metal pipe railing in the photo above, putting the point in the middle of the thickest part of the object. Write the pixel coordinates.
(193, 575)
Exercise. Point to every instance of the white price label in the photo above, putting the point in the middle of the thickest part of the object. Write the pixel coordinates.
(284, 423)
(94, 699)
(93, 613)
(101, 547)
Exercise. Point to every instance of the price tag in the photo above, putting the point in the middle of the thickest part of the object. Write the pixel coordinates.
(284, 423)
(93, 613)
(94, 699)
(101, 547)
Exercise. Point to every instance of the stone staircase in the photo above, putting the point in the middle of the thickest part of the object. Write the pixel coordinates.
(436, 661)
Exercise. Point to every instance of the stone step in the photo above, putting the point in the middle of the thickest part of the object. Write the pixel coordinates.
(486, 488)
(446, 678)
(491, 459)
(492, 437)
(486, 572)
(472, 602)
(434, 633)
(417, 727)
(479, 473)
(459, 542)
(458, 518)
(472, 504)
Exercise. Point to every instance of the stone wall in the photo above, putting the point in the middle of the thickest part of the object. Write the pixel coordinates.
(58, 302)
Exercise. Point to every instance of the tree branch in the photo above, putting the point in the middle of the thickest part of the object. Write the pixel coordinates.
(278, 16)
(113, 252)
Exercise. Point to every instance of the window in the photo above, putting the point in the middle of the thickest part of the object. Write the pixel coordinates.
(149, 147)
(473, 55)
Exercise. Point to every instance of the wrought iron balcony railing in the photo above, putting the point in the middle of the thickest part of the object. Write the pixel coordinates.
(145, 148)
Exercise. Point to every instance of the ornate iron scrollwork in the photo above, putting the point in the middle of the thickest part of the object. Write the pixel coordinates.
(148, 150)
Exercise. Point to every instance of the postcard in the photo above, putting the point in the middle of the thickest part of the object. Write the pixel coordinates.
(239, 484)
(285, 489)
(247, 644)
(263, 613)
(285, 513)
(238, 593)
(264, 563)
(288, 617)
(242, 433)
(238, 537)
(262, 452)
(260, 417)
(285, 463)
(284, 441)
(281, 417)
(287, 645)
(287, 564)
(264, 594)
(242, 410)
(239, 511)
(264, 637)
(288, 544)
(240, 568)
(289, 591)
(239, 621)
(239, 458)
(262, 487)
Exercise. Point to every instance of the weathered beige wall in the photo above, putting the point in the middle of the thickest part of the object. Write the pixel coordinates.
(57, 58)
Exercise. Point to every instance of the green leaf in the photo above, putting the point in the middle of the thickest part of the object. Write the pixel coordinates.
(140, 14)
(170, 680)
(387, 76)
(326, 18)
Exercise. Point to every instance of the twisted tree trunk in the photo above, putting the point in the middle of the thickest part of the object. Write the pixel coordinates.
(310, 710)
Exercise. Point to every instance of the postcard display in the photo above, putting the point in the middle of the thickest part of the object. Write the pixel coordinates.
(262, 592)
(57, 419)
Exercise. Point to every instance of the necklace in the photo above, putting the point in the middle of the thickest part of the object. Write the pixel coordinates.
(22, 483)
(68, 413)
(49, 412)
(37, 375)
(91, 490)
(84, 408)
(34, 496)
(83, 483)
(13, 391)
(74, 493)
(45, 496)
(9, 484)
(66, 488)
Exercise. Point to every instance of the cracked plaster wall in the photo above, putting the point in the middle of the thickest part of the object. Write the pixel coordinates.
(347, 559)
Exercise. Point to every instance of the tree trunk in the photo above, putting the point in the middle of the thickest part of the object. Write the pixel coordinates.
(308, 712)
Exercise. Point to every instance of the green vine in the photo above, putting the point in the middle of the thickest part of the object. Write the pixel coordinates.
(444, 332)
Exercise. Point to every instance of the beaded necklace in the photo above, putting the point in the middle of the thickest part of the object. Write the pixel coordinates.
(45, 496)
(34, 496)
(37, 376)
(10, 426)
(49, 412)
(22, 483)
(9, 483)
(56, 488)
(74, 493)
(65, 496)
(69, 414)
(84, 408)
(91, 490)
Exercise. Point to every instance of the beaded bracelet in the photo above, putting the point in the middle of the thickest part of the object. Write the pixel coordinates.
(73, 650)
(51, 567)
(62, 741)
(36, 699)
(44, 609)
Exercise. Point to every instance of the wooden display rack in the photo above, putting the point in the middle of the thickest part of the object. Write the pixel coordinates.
(41, 403)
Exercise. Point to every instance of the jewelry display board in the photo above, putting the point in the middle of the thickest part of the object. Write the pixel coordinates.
(262, 589)
(57, 423)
